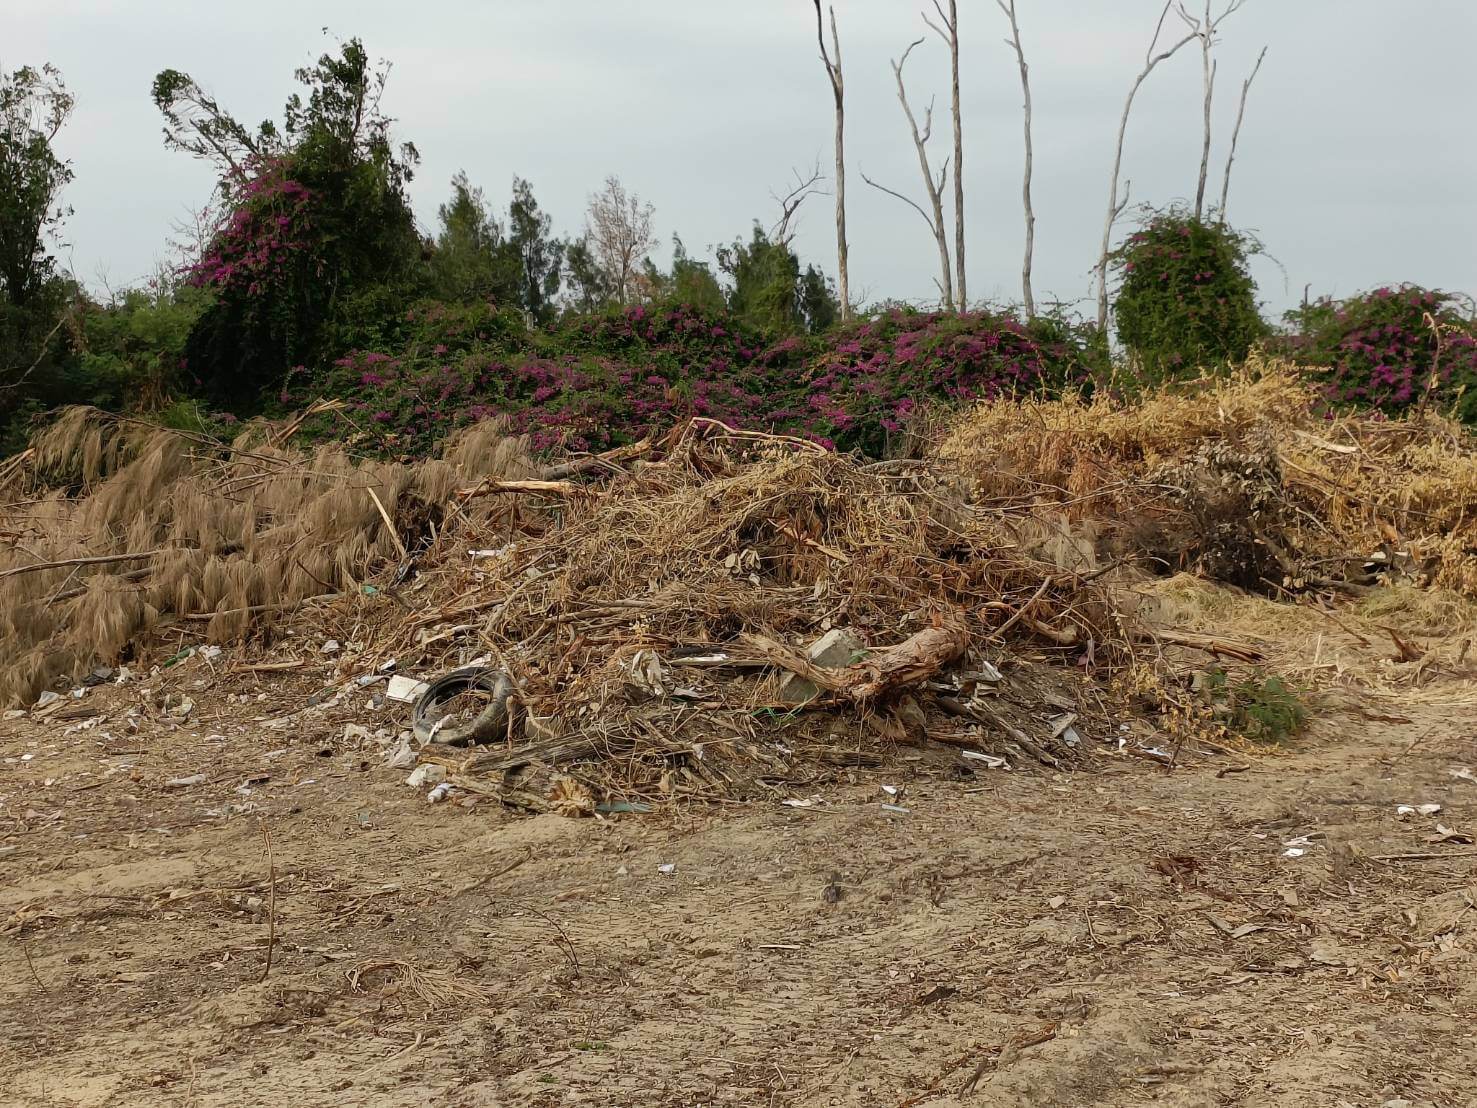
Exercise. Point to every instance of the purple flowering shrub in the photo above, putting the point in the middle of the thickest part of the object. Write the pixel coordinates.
(872, 376)
(594, 382)
(1381, 349)
(267, 231)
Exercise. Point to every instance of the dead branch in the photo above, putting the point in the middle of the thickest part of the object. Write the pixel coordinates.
(271, 903)
(910, 662)
(906, 200)
(389, 523)
(1236, 132)
(1014, 42)
(838, 93)
(948, 29)
(790, 203)
(99, 560)
(40, 356)
(1115, 208)
(610, 459)
(933, 186)
(492, 485)
(1211, 644)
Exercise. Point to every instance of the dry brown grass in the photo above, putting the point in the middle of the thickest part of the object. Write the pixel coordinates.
(1255, 452)
(243, 532)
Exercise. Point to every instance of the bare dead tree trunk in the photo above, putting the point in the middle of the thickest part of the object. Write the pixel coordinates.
(1236, 133)
(1208, 68)
(949, 32)
(838, 92)
(934, 187)
(1014, 42)
(1115, 208)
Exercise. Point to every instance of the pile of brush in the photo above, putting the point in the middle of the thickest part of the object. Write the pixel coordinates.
(656, 632)
(1249, 480)
(727, 611)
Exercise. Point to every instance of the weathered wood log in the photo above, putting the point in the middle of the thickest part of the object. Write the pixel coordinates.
(910, 662)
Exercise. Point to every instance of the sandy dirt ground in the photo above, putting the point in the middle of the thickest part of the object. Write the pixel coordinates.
(1123, 936)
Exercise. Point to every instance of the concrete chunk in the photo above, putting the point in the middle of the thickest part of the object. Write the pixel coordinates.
(836, 649)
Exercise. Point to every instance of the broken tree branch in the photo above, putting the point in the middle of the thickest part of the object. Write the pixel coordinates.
(790, 204)
(1151, 62)
(1236, 132)
(99, 560)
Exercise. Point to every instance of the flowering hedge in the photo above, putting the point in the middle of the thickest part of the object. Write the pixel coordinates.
(1389, 349)
(599, 381)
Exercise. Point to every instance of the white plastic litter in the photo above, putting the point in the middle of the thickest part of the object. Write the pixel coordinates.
(428, 774)
(405, 689)
(1406, 811)
(990, 760)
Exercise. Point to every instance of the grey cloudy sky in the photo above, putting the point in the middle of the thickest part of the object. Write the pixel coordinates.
(1356, 164)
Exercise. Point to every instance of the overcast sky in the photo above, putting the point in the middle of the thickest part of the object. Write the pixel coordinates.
(1356, 165)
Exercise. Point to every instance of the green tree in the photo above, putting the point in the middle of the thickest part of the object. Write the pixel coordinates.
(588, 289)
(819, 308)
(470, 263)
(130, 349)
(1186, 300)
(34, 105)
(768, 291)
(538, 256)
(318, 247)
(693, 282)
(690, 282)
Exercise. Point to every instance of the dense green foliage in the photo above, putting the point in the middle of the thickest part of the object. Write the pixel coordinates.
(770, 292)
(34, 104)
(1264, 708)
(594, 381)
(1186, 301)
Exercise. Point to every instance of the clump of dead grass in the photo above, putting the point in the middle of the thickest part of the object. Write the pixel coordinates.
(231, 536)
(416, 990)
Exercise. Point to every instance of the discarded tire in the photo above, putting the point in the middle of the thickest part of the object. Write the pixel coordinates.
(428, 716)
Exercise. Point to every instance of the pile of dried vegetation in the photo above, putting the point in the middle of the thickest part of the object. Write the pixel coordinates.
(1248, 480)
(730, 613)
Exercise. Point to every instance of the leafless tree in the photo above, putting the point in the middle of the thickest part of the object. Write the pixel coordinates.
(621, 235)
(1206, 29)
(948, 29)
(1014, 42)
(838, 91)
(783, 232)
(933, 185)
(1115, 207)
(1236, 133)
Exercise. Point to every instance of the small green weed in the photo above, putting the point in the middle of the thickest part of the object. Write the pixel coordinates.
(1264, 708)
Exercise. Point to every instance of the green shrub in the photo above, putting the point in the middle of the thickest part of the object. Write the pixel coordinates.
(1186, 301)
(1264, 708)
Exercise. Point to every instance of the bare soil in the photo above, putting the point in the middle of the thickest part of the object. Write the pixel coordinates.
(1121, 936)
